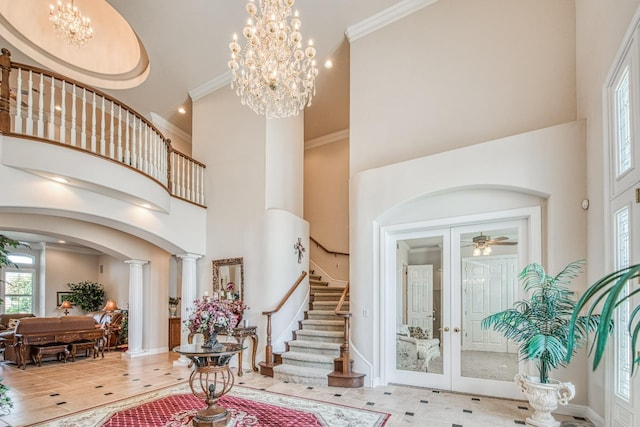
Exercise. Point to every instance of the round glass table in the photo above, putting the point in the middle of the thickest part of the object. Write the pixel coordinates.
(210, 379)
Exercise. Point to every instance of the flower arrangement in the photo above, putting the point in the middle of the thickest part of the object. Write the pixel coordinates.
(174, 300)
(209, 316)
(230, 286)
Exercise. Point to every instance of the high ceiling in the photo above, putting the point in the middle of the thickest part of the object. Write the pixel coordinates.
(187, 46)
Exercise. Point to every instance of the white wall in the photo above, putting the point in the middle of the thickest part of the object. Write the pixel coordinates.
(600, 29)
(460, 72)
(254, 204)
(376, 195)
(63, 267)
(115, 279)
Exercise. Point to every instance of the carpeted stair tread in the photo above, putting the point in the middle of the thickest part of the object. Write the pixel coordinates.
(319, 334)
(301, 374)
(320, 345)
(308, 357)
(326, 305)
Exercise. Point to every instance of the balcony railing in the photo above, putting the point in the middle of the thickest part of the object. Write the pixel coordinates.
(42, 105)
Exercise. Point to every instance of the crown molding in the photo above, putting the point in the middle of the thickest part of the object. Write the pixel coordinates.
(327, 139)
(161, 122)
(384, 18)
(211, 86)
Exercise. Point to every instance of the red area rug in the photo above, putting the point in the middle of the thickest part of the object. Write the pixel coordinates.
(175, 406)
(180, 409)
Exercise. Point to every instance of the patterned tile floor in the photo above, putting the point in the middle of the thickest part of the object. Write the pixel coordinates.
(56, 389)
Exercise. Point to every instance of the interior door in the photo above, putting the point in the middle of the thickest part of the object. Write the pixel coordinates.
(458, 355)
(420, 296)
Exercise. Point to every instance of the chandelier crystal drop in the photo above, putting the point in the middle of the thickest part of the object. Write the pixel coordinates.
(69, 24)
(273, 74)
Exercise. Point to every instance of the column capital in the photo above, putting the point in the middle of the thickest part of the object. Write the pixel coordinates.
(136, 261)
(189, 257)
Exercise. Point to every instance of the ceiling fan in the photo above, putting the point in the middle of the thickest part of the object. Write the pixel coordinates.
(482, 244)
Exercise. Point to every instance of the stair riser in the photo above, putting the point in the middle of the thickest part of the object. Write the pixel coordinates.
(323, 316)
(306, 364)
(328, 305)
(327, 297)
(335, 340)
(335, 328)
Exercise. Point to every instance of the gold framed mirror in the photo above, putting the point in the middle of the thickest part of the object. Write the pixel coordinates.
(228, 278)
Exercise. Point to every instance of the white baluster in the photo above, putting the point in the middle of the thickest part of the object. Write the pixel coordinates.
(52, 110)
(63, 113)
(134, 136)
(29, 130)
(18, 120)
(127, 153)
(120, 158)
(183, 178)
(41, 107)
(83, 125)
(146, 149)
(103, 140)
(112, 147)
(173, 174)
(74, 122)
(94, 140)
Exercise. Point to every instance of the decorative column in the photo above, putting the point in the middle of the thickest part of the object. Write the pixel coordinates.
(136, 315)
(188, 294)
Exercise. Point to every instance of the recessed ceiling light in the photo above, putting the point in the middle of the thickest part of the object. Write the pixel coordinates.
(146, 205)
(328, 64)
(62, 242)
(60, 179)
(181, 110)
(58, 108)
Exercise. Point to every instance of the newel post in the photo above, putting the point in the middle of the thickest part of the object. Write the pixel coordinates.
(5, 91)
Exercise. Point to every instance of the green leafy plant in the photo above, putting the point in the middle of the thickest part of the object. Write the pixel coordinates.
(540, 324)
(89, 296)
(608, 294)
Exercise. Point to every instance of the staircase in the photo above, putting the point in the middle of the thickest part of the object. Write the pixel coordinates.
(311, 356)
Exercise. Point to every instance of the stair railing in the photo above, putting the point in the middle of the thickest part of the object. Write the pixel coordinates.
(268, 352)
(344, 348)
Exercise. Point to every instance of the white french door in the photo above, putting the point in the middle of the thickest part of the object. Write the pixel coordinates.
(462, 289)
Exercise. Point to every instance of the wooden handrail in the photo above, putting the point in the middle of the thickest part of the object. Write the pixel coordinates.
(338, 311)
(108, 97)
(121, 134)
(268, 351)
(286, 297)
(325, 249)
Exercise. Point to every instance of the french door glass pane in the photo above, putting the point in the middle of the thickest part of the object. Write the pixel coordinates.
(489, 285)
(419, 296)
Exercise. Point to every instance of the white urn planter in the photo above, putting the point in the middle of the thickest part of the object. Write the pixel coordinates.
(544, 398)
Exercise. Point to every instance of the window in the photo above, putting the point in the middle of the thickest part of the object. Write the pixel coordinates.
(623, 125)
(18, 287)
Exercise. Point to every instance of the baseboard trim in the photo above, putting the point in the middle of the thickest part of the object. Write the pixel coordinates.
(581, 411)
(595, 418)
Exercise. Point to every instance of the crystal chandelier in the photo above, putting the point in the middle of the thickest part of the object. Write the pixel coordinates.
(69, 24)
(274, 74)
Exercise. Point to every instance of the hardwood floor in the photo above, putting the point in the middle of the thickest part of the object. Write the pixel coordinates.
(57, 389)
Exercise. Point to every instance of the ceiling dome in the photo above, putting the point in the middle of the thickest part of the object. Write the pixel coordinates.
(113, 59)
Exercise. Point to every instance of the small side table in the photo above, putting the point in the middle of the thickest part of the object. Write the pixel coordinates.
(240, 333)
(210, 379)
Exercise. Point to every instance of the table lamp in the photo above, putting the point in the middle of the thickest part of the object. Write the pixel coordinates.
(66, 305)
(111, 306)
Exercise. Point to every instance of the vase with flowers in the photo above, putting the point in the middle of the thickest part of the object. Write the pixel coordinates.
(209, 317)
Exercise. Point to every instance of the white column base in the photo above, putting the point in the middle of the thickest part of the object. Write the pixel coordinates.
(182, 361)
(132, 354)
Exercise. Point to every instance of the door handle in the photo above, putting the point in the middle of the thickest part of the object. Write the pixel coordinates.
(456, 329)
(446, 329)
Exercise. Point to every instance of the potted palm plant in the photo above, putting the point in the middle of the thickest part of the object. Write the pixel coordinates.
(540, 324)
(608, 294)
